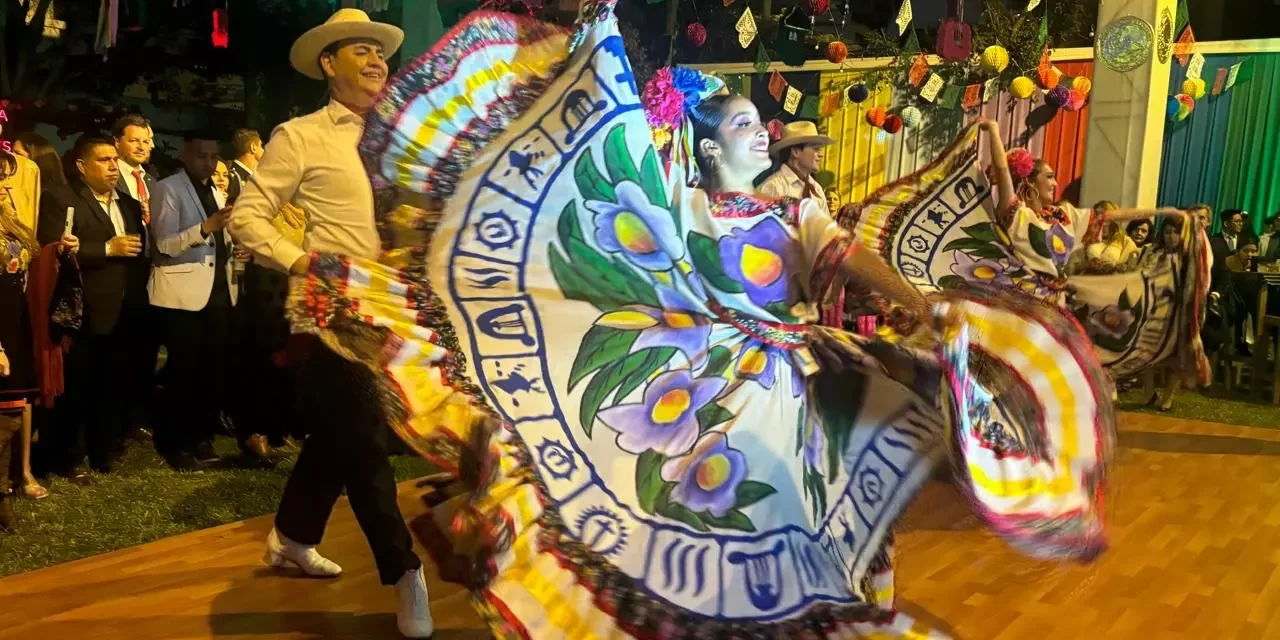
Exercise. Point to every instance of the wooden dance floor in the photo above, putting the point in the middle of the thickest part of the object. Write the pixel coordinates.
(1195, 543)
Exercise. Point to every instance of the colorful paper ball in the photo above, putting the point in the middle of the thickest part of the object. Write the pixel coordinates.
(697, 34)
(1049, 78)
(1022, 87)
(911, 117)
(1058, 96)
(837, 51)
(995, 59)
(819, 7)
(858, 93)
(1171, 108)
(1183, 112)
(1187, 101)
(775, 129)
(876, 116)
(892, 124)
(1193, 87)
(1082, 84)
(1076, 101)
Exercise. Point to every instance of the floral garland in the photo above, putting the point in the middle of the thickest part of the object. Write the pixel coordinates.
(668, 97)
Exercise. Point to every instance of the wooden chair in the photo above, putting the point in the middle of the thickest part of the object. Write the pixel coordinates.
(1266, 342)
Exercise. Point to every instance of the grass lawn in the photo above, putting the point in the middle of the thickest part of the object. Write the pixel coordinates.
(144, 500)
(1214, 404)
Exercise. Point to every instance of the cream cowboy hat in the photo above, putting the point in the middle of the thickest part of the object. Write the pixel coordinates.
(799, 132)
(345, 24)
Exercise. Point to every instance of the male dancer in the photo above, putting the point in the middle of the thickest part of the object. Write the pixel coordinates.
(312, 161)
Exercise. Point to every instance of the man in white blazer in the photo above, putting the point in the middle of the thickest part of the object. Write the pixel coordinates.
(193, 288)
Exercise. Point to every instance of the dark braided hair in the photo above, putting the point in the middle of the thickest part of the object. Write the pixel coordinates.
(706, 118)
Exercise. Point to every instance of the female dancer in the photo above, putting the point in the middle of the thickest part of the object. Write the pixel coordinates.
(657, 439)
(1045, 233)
(1168, 246)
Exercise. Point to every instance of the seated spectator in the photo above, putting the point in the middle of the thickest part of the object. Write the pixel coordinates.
(1243, 258)
(1115, 252)
(1140, 232)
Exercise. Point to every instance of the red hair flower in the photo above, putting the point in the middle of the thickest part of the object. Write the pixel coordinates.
(1021, 164)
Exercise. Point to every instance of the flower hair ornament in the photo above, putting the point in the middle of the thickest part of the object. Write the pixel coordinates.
(1021, 164)
(668, 97)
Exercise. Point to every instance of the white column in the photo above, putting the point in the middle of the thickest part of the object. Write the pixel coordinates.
(1127, 114)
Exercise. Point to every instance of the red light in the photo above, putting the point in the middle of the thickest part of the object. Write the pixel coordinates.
(220, 33)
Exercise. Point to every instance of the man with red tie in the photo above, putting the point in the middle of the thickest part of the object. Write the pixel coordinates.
(132, 134)
(134, 141)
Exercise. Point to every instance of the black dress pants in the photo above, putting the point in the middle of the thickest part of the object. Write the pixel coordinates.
(195, 376)
(264, 390)
(97, 404)
(346, 448)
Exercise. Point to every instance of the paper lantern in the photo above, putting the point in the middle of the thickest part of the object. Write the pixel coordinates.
(1082, 84)
(1076, 101)
(1193, 87)
(1058, 96)
(892, 124)
(837, 51)
(1022, 87)
(995, 59)
(1049, 78)
(1187, 101)
(1183, 112)
(697, 34)
(911, 117)
(858, 93)
(818, 7)
(876, 116)
(1171, 108)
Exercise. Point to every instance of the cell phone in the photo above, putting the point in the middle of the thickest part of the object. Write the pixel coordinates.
(71, 221)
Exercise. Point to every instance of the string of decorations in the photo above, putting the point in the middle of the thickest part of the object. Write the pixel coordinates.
(958, 78)
(1193, 88)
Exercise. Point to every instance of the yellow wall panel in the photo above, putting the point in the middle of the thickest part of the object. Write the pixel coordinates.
(860, 152)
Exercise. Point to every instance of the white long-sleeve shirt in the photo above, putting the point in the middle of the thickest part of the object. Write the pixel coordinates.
(312, 162)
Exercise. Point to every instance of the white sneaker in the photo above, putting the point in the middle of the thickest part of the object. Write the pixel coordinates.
(414, 615)
(283, 552)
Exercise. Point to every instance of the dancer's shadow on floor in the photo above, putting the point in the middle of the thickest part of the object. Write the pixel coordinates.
(1194, 443)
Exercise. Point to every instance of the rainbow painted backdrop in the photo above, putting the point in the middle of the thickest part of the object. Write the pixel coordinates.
(1227, 152)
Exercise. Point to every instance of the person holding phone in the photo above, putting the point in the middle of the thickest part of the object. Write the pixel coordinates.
(114, 267)
(192, 287)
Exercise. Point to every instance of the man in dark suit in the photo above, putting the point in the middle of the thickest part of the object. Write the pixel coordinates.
(134, 141)
(264, 397)
(114, 270)
(1224, 244)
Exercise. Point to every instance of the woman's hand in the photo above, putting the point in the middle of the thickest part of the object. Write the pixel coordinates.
(4, 365)
(987, 124)
(69, 244)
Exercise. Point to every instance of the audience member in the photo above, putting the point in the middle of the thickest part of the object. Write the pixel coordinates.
(114, 270)
(265, 393)
(1140, 232)
(1243, 258)
(191, 284)
(134, 142)
(1116, 251)
(1269, 242)
(36, 148)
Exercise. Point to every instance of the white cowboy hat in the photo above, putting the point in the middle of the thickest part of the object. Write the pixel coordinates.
(799, 132)
(344, 24)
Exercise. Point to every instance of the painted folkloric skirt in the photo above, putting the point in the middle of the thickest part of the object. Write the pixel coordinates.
(656, 447)
(937, 229)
